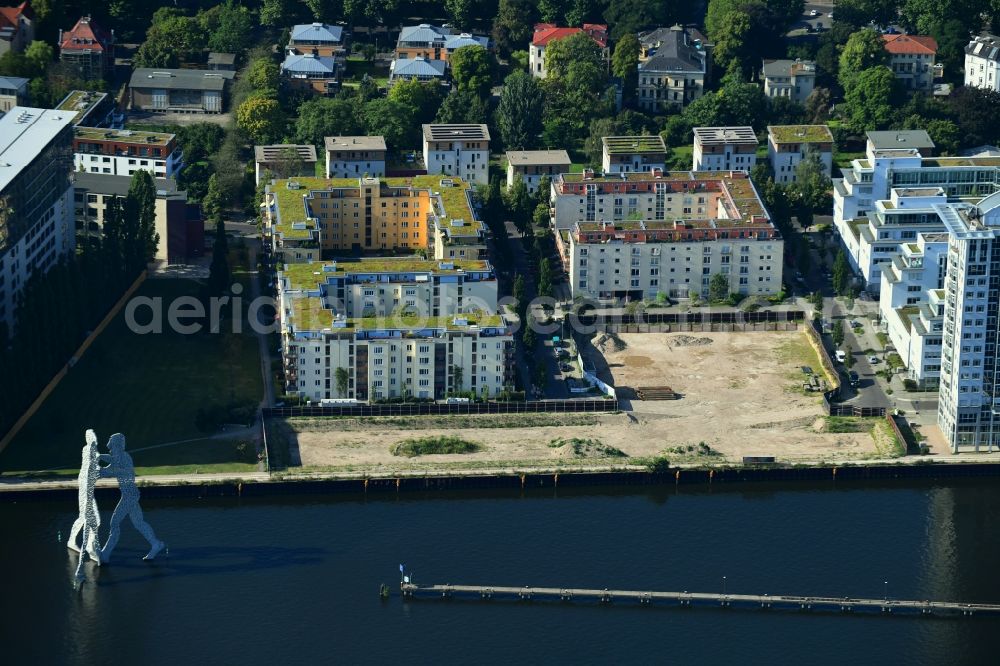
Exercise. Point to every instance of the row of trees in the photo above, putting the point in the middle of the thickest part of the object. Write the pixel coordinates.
(174, 38)
(58, 307)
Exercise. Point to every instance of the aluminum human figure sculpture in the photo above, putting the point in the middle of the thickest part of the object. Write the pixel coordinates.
(89, 520)
(121, 468)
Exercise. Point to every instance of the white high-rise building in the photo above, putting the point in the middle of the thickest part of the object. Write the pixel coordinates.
(458, 150)
(968, 404)
(724, 149)
(36, 216)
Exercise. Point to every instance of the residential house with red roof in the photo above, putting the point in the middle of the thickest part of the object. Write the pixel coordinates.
(88, 47)
(545, 33)
(17, 27)
(911, 58)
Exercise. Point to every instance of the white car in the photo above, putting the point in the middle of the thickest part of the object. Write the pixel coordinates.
(814, 13)
(841, 355)
(873, 359)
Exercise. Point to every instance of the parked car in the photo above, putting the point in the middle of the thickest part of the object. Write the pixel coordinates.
(566, 367)
(841, 355)
(853, 378)
(873, 359)
(814, 13)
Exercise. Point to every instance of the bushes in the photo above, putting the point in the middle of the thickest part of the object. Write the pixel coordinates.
(423, 446)
(213, 417)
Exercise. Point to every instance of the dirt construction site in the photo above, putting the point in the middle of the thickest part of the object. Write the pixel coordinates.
(741, 395)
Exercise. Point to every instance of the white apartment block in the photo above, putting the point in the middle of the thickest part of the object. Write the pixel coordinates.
(968, 404)
(458, 150)
(355, 156)
(793, 79)
(982, 62)
(36, 228)
(892, 196)
(284, 160)
(911, 305)
(533, 165)
(724, 149)
(623, 154)
(698, 225)
(123, 152)
(379, 328)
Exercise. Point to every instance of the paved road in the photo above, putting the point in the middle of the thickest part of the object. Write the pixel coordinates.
(265, 353)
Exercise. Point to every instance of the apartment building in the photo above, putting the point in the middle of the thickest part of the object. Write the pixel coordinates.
(433, 42)
(355, 156)
(309, 217)
(36, 219)
(982, 62)
(665, 234)
(88, 48)
(123, 152)
(546, 33)
(178, 223)
(621, 154)
(17, 27)
(284, 160)
(787, 145)
(792, 79)
(674, 66)
(417, 69)
(968, 404)
(458, 150)
(911, 59)
(13, 92)
(179, 90)
(311, 73)
(533, 165)
(911, 305)
(317, 39)
(871, 223)
(91, 109)
(373, 329)
(724, 149)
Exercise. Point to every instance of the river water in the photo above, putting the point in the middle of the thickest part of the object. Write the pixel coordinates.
(289, 580)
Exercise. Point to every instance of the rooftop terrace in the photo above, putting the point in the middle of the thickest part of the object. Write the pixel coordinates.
(310, 314)
(308, 276)
(122, 136)
(630, 145)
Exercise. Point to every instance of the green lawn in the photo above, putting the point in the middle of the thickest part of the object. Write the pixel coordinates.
(357, 67)
(149, 387)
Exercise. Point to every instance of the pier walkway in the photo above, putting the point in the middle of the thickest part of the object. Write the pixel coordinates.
(765, 601)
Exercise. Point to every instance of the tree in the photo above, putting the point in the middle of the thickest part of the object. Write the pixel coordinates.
(837, 333)
(199, 140)
(233, 30)
(577, 52)
(141, 201)
(457, 378)
(171, 38)
(632, 16)
(218, 270)
(392, 120)
(463, 107)
(472, 69)
(576, 89)
(519, 113)
(849, 358)
(512, 26)
(857, 13)
(812, 185)
(864, 50)
(553, 11)
(519, 203)
(39, 56)
(841, 273)
(734, 48)
(519, 292)
(742, 103)
(212, 203)
(422, 99)
(544, 279)
(263, 74)
(459, 12)
(261, 118)
(273, 12)
(818, 106)
(974, 111)
(324, 116)
(342, 379)
(625, 63)
(718, 288)
(869, 99)
(541, 218)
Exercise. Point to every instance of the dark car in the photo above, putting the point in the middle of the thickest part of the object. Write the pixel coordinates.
(853, 378)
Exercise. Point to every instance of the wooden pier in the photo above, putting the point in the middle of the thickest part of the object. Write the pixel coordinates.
(688, 599)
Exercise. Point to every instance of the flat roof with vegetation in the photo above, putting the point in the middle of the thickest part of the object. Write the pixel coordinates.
(629, 145)
(800, 133)
(310, 275)
(122, 136)
(291, 203)
(309, 313)
(709, 136)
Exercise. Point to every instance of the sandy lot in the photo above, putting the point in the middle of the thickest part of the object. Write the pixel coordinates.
(742, 396)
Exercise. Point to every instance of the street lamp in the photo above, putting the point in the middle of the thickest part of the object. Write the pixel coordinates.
(723, 586)
(886, 589)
